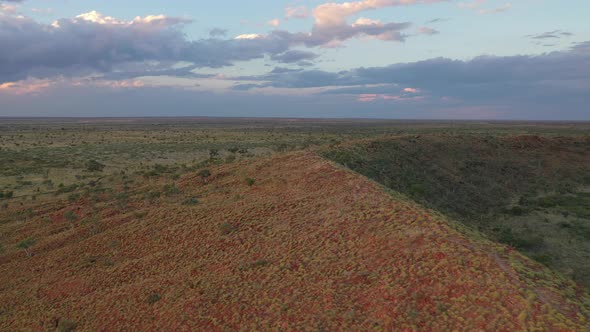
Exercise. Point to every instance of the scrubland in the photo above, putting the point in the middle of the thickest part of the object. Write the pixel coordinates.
(252, 224)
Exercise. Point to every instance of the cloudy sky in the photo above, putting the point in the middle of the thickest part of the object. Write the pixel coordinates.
(407, 59)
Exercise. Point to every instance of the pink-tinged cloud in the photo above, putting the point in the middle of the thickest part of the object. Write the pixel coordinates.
(332, 27)
(478, 7)
(24, 87)
(7, 9)
(367, 98)
(427, 31)
(274, 22)
(500, 9)
(334, 14)
(411, 90)
(299, 12)
(36, 86)
(125, 84)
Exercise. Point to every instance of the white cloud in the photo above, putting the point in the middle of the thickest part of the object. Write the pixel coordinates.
(249, 36)
(331, 25)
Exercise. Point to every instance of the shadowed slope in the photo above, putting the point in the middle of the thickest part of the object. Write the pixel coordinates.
(308, 246)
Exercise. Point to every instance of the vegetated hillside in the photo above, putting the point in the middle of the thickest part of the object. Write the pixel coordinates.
(531, 192)
(291, 242)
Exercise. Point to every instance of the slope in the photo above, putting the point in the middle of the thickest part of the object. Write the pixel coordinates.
(292, 242)
(528, 191)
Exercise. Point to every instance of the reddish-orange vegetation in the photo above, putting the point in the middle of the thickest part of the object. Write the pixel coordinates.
(309, 246)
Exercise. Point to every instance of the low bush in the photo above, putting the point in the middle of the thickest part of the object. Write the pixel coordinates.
(65, 325)
(226, 228)
(205, 173)
(191, 201)
(94, 166)
(26, 245)
(70, 216)
(171, 190)
(520, 241)
(153, 298)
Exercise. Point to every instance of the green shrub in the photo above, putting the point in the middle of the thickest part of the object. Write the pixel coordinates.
(160, 168)
(250, 182)
(140, 215)
(73, 197)
(70, 216)
(66, 189)
(260, 263)
(191, 201)
(517, 211)
(122, 196)
(230, 159)
(94, 166)
(226, 228)
(521, 241)
(28, 213)
(152, 195)
(419, 189)
(205, 173)
(153, 298)
(171, 190)
(26, 245)
(544, 259)
(65, 325)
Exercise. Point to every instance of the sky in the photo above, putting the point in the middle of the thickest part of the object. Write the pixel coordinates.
(398, 59)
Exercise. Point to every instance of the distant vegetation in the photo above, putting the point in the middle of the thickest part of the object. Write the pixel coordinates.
(531, 192)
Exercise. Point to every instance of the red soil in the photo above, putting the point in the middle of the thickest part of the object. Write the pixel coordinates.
(309, 246)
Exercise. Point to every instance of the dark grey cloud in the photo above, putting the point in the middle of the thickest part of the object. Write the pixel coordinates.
(183, 72)
(95, 44)
(437, 20)
(76, 47)
(555, 34)
(570, 65)
(217, 32)
(95, 101)
(557, 78)
(280, 70)
(294, 56)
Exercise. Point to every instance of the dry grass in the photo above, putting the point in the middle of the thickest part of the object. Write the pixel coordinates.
(309, 246)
